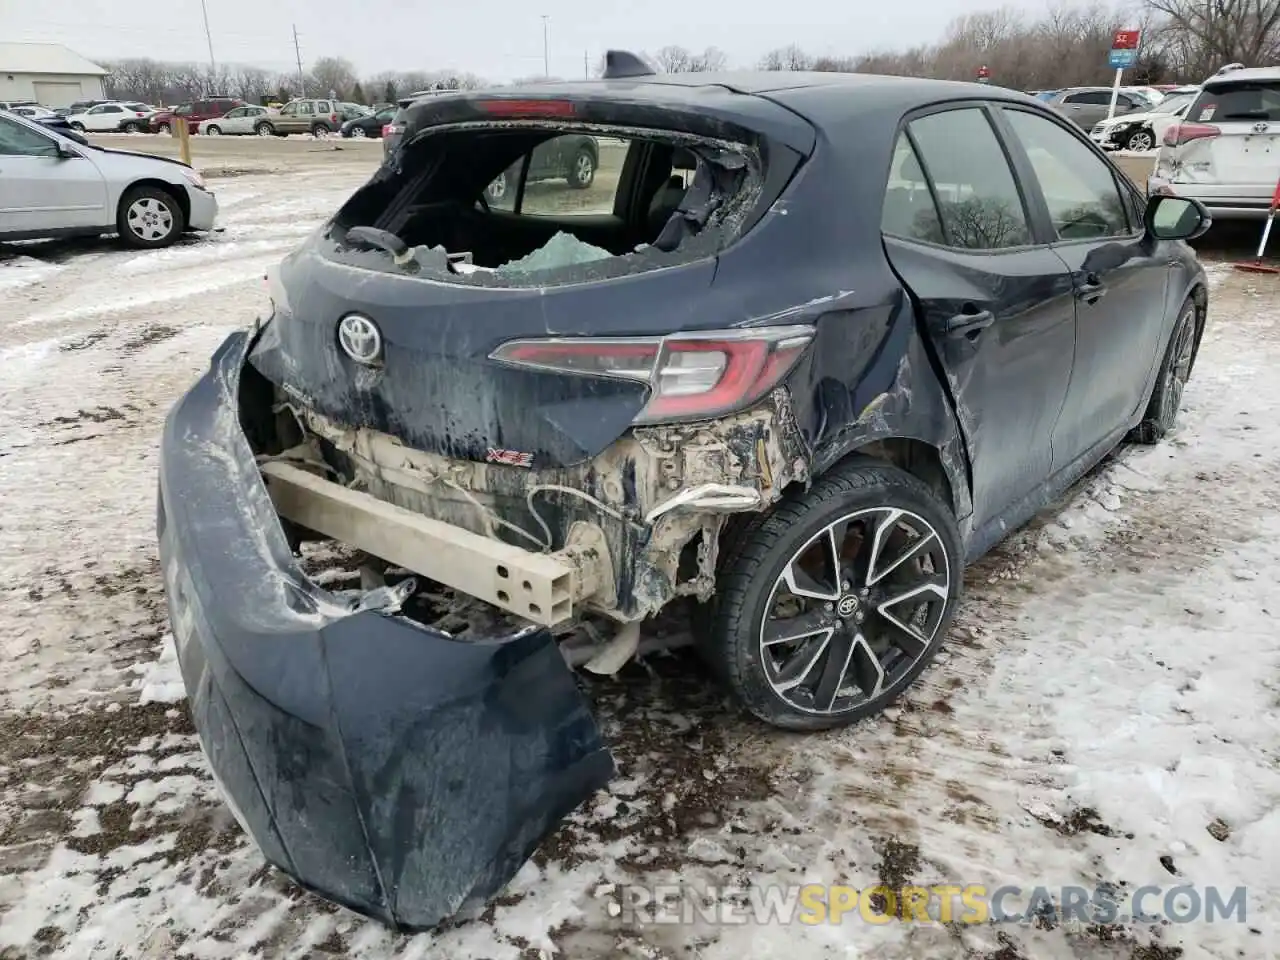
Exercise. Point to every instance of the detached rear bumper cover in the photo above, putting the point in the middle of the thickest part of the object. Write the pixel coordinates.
(380, 763)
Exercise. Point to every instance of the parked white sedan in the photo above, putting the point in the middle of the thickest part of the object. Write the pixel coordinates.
(56, 185)
(241, 121)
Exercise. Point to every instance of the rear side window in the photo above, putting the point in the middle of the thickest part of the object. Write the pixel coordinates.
(1089, 96)
(979, 204)
(1079, 188)
(1251, 101)
(909, 210)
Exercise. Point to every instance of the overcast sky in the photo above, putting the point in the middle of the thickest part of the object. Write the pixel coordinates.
(497, 39)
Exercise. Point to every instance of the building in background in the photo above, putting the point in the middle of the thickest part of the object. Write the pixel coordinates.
(47, 73)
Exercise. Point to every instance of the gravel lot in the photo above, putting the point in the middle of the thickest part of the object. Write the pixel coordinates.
(1107, 710)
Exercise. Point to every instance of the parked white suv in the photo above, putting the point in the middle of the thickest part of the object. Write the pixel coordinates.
(1225, 152)
(53, 185)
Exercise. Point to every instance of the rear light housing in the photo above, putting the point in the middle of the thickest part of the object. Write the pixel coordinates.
(392, 128)
(503, 107)
(691, 376)
(1181, 133)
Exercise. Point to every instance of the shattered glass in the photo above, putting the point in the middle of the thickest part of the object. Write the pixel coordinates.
(562, 250)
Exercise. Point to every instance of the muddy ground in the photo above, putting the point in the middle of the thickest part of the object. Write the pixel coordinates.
(1106, 710)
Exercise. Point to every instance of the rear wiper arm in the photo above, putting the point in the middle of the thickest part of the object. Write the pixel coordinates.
(374, 238)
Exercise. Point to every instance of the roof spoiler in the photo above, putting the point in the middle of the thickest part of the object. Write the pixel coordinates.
(622, 63)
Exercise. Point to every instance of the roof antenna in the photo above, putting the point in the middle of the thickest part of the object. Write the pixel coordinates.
(623, 63)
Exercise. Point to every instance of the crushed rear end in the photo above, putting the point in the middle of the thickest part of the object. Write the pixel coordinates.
(471, 400)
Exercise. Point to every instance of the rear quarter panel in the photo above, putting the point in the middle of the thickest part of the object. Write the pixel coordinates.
(818, 255)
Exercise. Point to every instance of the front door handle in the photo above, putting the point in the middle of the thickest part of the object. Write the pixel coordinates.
(1092, 290)
(969, 323)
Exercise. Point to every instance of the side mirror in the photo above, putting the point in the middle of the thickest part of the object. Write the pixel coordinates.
(1176, 218)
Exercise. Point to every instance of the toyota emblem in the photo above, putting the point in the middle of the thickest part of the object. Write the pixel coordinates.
(1261, 127)
(360, 339)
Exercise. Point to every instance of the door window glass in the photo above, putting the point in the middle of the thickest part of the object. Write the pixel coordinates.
(909, 211)
(1079, 187)
(978, 198)
(17, 141)
(306, 109)
(289, 110)
(1092, 97)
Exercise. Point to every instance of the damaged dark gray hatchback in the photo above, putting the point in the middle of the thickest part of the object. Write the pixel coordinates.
(833, 338)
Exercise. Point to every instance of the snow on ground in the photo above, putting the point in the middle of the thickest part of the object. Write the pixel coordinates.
(1108, 710)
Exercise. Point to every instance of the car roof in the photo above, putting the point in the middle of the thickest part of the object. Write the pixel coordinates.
(1246, 75)
(815, 95)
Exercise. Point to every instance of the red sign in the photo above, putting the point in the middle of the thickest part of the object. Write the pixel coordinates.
(1125, 39)
(984, 73)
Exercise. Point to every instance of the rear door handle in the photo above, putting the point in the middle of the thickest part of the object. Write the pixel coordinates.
(969, 323)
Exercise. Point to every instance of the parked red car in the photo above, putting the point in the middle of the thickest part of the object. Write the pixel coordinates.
(193, 112)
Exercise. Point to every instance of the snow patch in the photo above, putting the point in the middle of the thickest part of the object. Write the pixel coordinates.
(23, 272)
(162, 679)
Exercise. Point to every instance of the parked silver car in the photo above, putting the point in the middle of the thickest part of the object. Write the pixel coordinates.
(244, 120)
(1089, 105)
(54, 184)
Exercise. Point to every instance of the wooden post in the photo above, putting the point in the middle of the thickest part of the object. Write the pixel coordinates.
(184, 139)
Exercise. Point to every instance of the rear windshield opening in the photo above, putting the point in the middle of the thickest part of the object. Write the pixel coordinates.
(533, 204)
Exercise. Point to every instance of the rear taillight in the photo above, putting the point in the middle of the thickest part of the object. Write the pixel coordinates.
(1181, 133)
(333, 118)
(691, 375)
(392, 128)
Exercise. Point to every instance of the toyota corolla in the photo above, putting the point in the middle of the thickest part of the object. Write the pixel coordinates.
(834, 337)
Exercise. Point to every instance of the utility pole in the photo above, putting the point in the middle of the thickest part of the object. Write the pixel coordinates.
(213, 67)
(586, 71)
(546, 61)
(297, 52)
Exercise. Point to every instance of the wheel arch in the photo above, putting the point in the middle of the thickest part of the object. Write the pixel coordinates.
(175, 190)
(922, 460)
(1199, 294)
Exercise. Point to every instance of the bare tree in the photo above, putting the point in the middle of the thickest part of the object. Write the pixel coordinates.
(786, 58)
(1208, 34)
(334, 74)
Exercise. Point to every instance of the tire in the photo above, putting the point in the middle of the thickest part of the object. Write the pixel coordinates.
(1140, 141)
(319, 130)
(582, 172)
(265, 129)
(78, 127)
(358, 133)
(213, 130)
(131, 128)
(164, 128)
(914, 526)
(1171, 381)
(149, 218)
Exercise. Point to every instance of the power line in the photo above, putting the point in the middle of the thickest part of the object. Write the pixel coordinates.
(204, 10)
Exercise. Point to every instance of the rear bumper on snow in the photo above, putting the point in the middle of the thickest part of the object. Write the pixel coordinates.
(380, 763)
